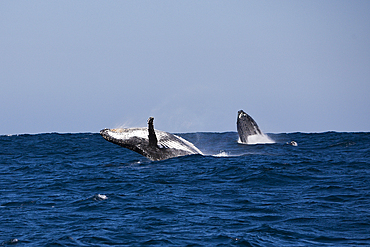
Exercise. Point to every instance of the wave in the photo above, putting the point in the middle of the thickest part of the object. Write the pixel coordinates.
(78, 189)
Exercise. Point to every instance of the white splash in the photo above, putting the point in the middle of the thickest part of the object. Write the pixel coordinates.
(258, 139)
(101, 197)
(222, 154)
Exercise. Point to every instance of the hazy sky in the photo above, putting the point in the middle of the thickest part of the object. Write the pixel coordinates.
(80, 66)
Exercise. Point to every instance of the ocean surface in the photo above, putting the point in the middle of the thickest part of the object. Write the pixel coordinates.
(80, 190)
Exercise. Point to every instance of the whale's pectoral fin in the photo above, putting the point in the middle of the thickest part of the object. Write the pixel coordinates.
(153, 141)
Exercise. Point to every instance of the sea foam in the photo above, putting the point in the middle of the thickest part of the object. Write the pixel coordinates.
(258, 139)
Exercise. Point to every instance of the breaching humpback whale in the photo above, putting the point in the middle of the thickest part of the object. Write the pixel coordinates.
(246, 126)
(151, 143)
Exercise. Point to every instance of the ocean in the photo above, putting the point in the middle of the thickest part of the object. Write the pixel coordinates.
(80, 190)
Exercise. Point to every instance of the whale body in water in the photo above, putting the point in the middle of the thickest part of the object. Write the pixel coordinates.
(153, 144)
(246, 127)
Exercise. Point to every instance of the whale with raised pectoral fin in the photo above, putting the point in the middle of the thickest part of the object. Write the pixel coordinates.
(248, 130)
(153, 144)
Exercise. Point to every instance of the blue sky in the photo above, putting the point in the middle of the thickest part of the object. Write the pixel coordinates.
(80, 66)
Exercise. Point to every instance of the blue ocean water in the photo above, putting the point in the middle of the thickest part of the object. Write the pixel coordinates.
(80, 190)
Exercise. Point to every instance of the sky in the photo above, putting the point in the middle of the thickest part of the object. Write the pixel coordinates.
(81, 66)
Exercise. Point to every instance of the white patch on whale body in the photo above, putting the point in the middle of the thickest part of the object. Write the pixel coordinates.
(181, 146)
(125, 134)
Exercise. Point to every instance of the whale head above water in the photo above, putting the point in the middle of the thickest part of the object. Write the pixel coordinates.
(151, 143)
(246, 127)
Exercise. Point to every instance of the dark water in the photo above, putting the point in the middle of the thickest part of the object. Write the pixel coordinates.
(80, 190)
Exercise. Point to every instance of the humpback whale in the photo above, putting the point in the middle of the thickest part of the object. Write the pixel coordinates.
(153, 144)
(246, 127)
